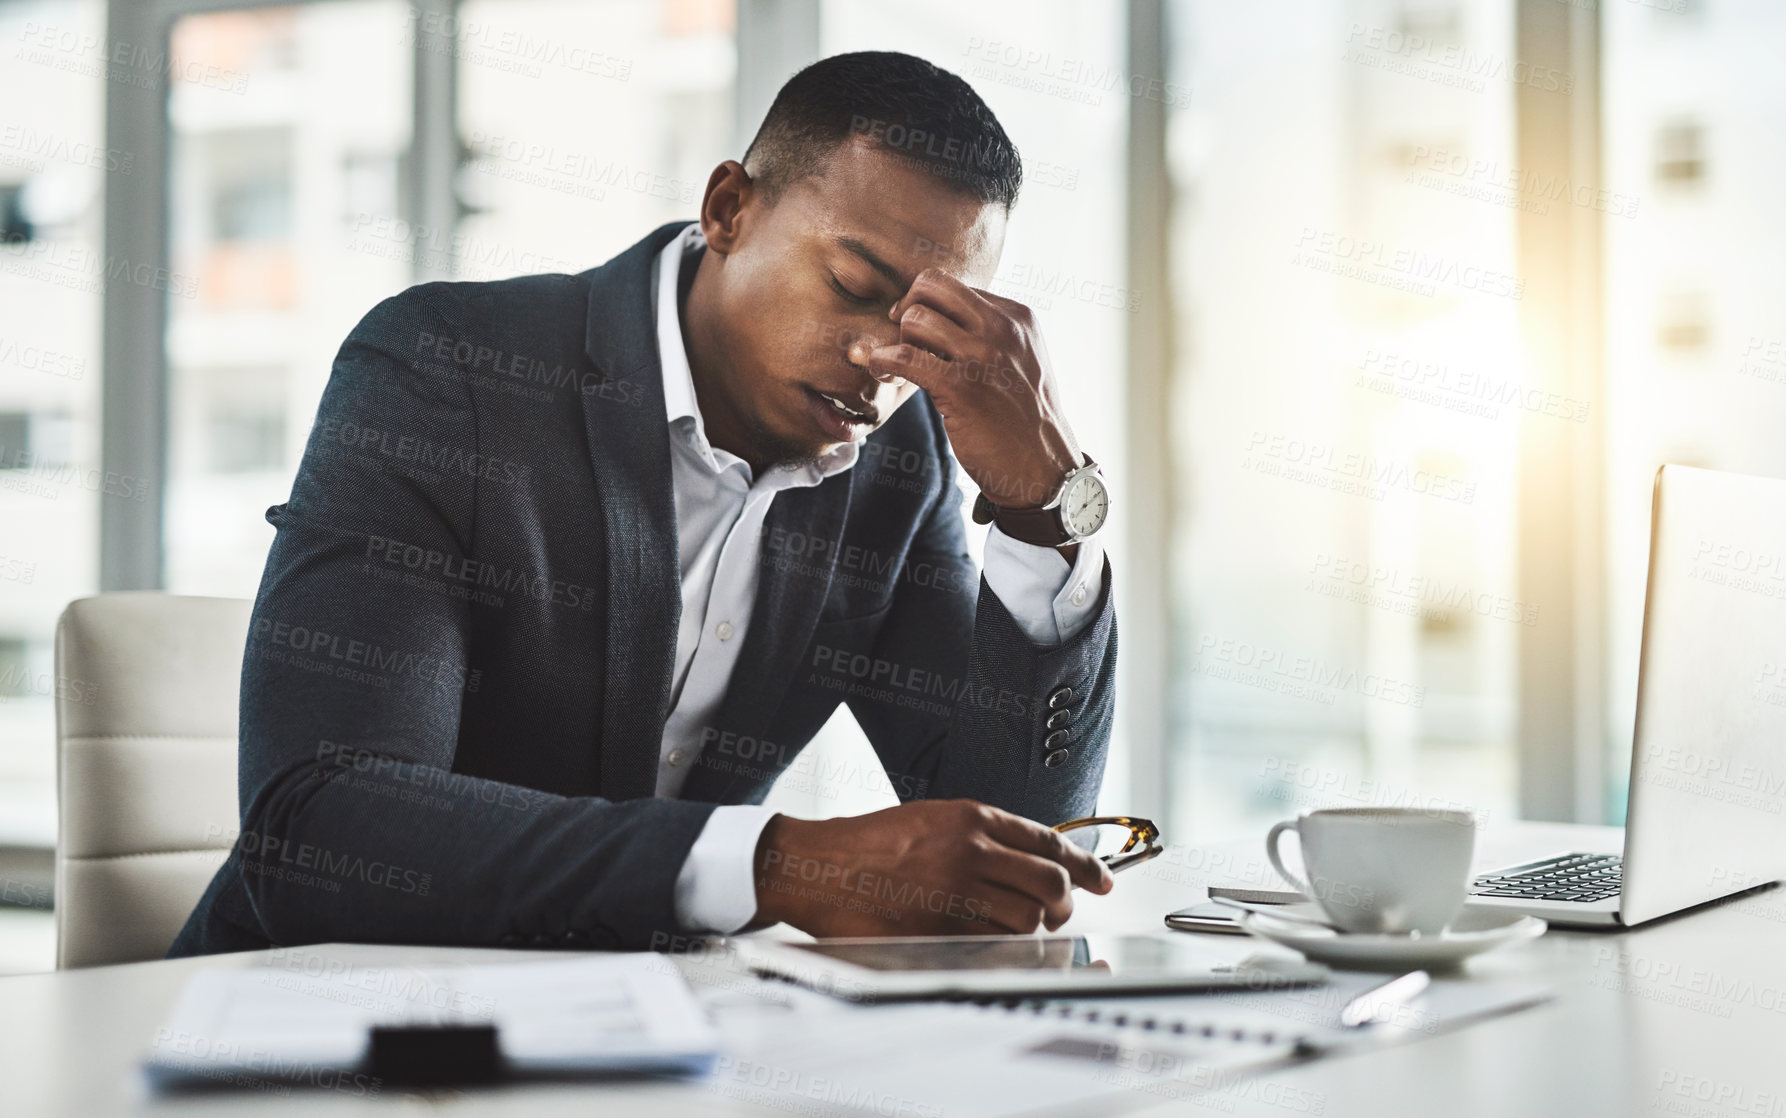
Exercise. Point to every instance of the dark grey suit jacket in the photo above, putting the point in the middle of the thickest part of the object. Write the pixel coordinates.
(458, 668)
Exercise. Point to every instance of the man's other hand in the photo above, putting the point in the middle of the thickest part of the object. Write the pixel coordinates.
(933, 867)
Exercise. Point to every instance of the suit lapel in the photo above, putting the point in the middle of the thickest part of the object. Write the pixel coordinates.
(783, 616)
(629, 449)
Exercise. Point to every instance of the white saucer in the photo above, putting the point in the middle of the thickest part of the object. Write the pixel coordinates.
(1474, 931)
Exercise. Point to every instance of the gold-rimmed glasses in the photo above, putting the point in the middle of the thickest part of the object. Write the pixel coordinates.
(1118, 837)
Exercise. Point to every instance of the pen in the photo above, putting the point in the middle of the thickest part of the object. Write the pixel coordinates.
(1376, 1003)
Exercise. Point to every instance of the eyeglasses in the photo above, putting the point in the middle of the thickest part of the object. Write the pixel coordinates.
(1117, 839)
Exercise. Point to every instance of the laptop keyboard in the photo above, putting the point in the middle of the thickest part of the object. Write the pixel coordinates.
(1573, 877)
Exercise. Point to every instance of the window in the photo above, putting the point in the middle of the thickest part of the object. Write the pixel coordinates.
(15, 227)
(250, 185)
(56, 163)
(573, 159)
(309, 119)
(1695, 335)
(40, 442)
(246, 439)
(15, 440)
(368, 184)
(581, 127)
(1348, 406)
(1679, 155)
(15, 671)
(1350, 388)
(1681, 322)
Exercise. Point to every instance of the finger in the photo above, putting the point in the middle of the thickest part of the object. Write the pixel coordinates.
(1042, 880)
(999, 302)
(1027, 835)
(943, 292)
(858, 355)
(998, 909)
(926, 328)
(920, 366)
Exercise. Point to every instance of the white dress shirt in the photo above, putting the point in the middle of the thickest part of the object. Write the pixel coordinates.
(720, 510)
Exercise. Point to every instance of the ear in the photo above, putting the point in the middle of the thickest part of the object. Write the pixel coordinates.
(729, 191)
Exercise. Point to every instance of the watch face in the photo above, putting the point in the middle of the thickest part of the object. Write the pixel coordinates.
(1085, 505)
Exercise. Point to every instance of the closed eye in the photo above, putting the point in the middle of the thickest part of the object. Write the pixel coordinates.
(849, 296)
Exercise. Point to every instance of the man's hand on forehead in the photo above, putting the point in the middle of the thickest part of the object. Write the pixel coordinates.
(980, 357)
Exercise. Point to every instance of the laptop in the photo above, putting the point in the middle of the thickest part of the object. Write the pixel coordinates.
(1707, 810)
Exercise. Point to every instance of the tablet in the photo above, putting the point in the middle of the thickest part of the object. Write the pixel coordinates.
(910, 967)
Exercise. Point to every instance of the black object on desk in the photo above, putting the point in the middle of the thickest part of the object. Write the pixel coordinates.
(428, 1056)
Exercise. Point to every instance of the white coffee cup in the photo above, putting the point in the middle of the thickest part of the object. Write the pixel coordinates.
(1382, 869)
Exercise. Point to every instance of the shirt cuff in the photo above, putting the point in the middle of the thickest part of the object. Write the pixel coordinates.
(1050, 601)
(717, 890)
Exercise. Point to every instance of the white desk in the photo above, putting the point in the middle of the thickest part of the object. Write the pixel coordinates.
(1695, 1002)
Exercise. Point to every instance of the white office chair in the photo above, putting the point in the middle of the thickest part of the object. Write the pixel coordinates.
(146, 767)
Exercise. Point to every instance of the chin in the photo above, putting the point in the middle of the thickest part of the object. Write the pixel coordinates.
(790, 451)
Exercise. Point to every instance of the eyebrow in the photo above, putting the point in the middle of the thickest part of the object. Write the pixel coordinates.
(868, 255)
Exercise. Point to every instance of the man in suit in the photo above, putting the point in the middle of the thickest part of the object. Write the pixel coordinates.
(574, 566)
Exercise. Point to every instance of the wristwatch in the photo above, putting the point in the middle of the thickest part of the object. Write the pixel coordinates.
(1078, 510)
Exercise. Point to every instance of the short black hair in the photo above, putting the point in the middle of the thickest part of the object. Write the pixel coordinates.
(922, 113)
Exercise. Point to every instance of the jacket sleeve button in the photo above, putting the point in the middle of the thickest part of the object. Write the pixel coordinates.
(1060, 698)
(1055, 759)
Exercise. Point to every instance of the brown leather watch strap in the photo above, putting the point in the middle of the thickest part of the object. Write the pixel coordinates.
(1041, 527)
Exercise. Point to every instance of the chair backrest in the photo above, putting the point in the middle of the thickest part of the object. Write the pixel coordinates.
(146, 767)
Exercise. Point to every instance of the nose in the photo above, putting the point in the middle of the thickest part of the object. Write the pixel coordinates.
(858, 356)
(858, 350)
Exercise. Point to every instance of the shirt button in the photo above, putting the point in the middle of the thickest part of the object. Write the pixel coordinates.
(677, 756)
(1079, 595)
(724, 630)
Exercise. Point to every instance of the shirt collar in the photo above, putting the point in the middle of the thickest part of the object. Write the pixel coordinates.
(681, 408)
(679, 381)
